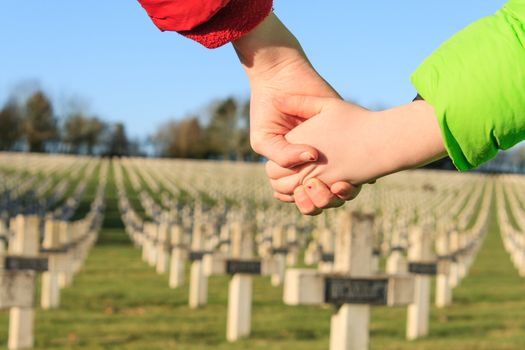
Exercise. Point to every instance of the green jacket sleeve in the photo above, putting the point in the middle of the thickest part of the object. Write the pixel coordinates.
(476, 83)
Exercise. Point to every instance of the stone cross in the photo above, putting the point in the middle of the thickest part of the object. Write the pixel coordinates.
(50, 295)
(238, 324)
(198, 280)
(279, 252)
(351, 287)
(17, 280)
(242, 266)
(422, 263)
(443, 286)
(179, 252)
(163, 247)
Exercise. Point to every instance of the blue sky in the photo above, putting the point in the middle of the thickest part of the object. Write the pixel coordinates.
(111, 55)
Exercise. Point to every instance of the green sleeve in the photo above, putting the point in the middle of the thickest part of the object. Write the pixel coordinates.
(476, 83)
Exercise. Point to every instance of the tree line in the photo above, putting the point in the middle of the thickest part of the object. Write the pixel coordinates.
(31, 124)
(221, 133)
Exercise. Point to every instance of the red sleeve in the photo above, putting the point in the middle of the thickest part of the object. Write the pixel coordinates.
(210, 22)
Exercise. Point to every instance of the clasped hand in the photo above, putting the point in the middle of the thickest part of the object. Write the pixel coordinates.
(320, 148)
(333, 127)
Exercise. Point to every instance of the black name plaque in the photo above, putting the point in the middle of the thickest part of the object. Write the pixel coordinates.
(252, 267)
(422, 268)
(340, 290)
(25, 263)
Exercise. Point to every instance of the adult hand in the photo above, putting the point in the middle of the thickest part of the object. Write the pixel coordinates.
(276, 67)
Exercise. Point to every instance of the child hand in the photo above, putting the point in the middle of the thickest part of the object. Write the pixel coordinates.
(314, 196)
(332, 128)
(355, 145)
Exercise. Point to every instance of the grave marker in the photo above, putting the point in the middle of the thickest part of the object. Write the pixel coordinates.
(352, 287)
(198, 280)
(396, 262)
(65, 275)
(163, 247)
(279, 252)
(292, 242)
(443, 288)
(20, 283)
(178, 256)
(242, 266)
(421, 257)
(50, 296)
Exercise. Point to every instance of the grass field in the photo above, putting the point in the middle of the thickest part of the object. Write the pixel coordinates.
(118, 302)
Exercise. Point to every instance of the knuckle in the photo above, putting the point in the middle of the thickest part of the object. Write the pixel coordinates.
(256, 143)
(285, 160)
(275, 185)
(280, 187)
(256, 146)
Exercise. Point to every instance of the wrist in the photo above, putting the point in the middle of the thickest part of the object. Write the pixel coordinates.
(412, 136)
(268, 48)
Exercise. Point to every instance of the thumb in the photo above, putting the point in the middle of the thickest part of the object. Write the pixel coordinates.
(301, 106)
(285, 154)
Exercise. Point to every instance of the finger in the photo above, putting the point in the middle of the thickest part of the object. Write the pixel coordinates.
(345, 191)
(300, 105)
(287, 155)
(274, 171)
(321, 196)
(303, 202)
(305, 107)
(283, 197)
(286, 185)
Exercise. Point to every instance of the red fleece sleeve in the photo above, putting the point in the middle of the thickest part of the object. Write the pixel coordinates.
(210, 22)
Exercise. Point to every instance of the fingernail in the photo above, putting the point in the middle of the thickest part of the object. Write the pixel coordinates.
(307, 157)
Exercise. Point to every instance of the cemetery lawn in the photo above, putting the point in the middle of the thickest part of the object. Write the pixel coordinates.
(118, 302)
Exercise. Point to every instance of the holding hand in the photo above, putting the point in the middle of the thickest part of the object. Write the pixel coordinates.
(276, 65)
(355, 146)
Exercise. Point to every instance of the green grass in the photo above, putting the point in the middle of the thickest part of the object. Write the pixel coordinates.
(118, 302)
